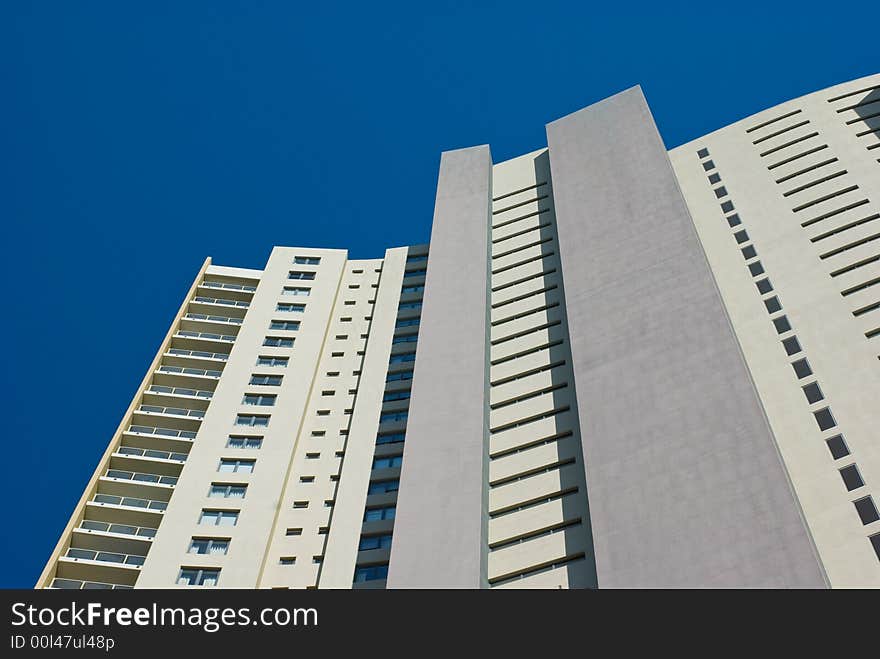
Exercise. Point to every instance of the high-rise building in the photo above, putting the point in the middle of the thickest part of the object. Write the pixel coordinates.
(618, 366)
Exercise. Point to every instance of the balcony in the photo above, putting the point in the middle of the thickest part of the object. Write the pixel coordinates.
(121, 482)
(200, 299)
(191, 378)
(194, 358)
(165, 432)
(171, 411)
(94, 526)
(77, 584)
(177, 418)
(208, 318)
(191, 340)
(183, 392)
(133, 560)
(99, 566)
(130, 502)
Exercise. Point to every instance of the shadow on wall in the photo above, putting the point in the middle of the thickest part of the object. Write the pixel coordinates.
(869, 114)
(579, 540)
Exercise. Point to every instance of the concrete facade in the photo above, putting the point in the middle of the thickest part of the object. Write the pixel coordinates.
(616, 366)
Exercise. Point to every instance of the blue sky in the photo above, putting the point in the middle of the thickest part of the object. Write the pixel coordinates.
(138, 138)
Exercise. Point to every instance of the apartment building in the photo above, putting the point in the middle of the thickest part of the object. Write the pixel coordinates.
(616, 366)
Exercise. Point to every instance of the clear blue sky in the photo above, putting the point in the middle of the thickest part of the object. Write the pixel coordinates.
(138, 138)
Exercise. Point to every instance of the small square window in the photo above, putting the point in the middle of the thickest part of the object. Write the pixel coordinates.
(741, 236)
(287, 560)
(296, 531)
(721, 192)
(852, 479)
(319, 433)
(727, 206)
(875, 543)
(337, 354)
(782, 324)
(317, 559)
(802, 368)
(300, 504)
(813, 392)
(328, 392)
(323, 412)
(306, 479)
(708, 165)
(756, 268)
(703, 153)
(792, 345)
(837, 446)
(733, 220)
(867, 510)
(312, 456)
(772, 304)
(824, 418)
(749, 252)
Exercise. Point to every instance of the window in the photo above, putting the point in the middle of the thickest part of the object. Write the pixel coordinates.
(354, 285)
(867, 510)
(390, 438)
(319, 433)
(370, 573)
(347, 319)
(312, 456)
(813, 392)
(305, 276)
(294, 531)
(198, 576)
(288, 307)
(357, 271)
(420, 272)
(300, 504)
(332, 374)
(396, 377)
(852, 479)
(375, 542)
(227, 491)
(236, 466)
(317, 559)
(703, 153)
(383, 487)
(219, 517)
(772, 304)
(306, 479)
(208, 546)
(272, 361)
(266, 400)
(410, 305)
(412, 289)
(323, 412)
(708, 165)
(393, 416)
(252, 420)
(749, 252)
(296, 290)
(341, 337)
(266, 380)
(328, 392)
(407, 322)
(287, 560)
(756, 268)
(337, 354)
(802, 368)
(875, 543)
(721, 192)
(349, 302)
(792, 345)
(727, 206)
(409, 338)
(278, 342)
(396, 395)
(824, 418)
(782, 324)
(404, 357)
(733, 220)
(287, 325)
(837, 446)
(307, 260)
(241, 441)
(388, 463)
(741, 236)
(376, 514)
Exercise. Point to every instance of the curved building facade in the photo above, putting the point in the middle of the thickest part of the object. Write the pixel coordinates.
(617, 366)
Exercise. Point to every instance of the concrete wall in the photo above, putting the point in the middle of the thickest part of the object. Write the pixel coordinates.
(440, 528)
(685, 482)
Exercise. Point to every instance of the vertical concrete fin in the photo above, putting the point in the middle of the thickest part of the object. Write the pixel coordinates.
(685, 483)
(441, 518)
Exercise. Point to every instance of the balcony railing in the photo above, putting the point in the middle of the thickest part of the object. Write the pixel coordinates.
(205, 335)
(176, 411)
(122, 529)
(76, 584)
(150, 453)
(231, 287)
(179, 391)
(105, 556)
(180, 352)
(134, 502)
(140, 477)
(190, 371)
(219, 300)
(165, 432)
(216, 319)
